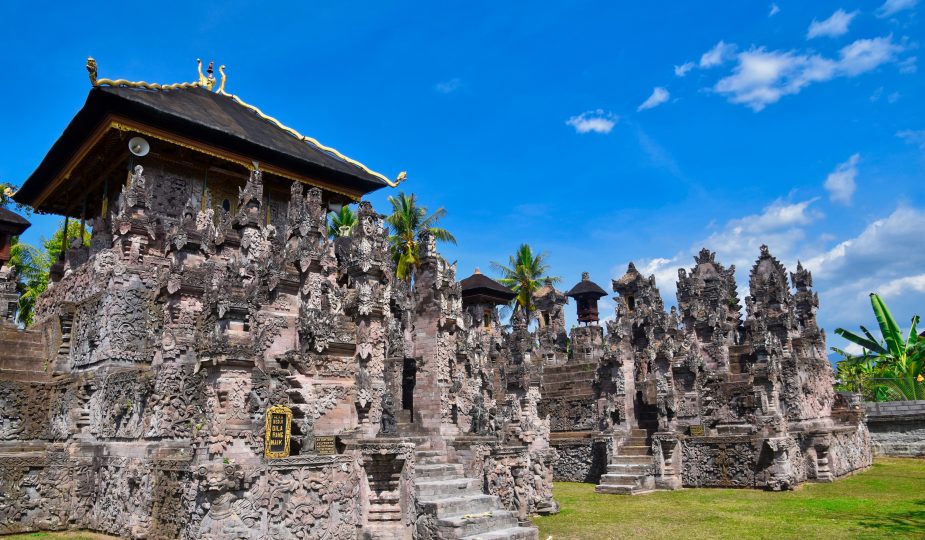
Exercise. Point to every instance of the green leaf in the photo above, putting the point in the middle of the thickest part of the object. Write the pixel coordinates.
(888, 327)
(863, 342)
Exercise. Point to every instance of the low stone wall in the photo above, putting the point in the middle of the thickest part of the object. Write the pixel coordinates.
(580, 460)
(897, 428)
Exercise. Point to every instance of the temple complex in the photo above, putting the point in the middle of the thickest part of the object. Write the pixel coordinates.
(214, 366)
(695, 396)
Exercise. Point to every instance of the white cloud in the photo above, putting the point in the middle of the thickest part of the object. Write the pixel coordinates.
(908, 66)
(596, 121)
(780, 225)
(866, 54)
(720, 53)
(762, 77)
(659, 96)
(841, 182)
(884, 244)
(834, 26)
(774, 10)
(892, 7)
(913, 136)
(682, 70)
(448, 87)
(878, 260)
(896, 287)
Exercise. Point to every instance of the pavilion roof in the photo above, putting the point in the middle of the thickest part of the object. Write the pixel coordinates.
(197, 115)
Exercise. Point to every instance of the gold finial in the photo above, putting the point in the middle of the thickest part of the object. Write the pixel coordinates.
(206, 81)
(478, 270)
(221, 86)
(91, 70)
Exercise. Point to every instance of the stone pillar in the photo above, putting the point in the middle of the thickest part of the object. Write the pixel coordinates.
(438, 312)
(370, 273)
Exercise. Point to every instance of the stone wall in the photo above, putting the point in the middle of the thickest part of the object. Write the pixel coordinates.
(580, 460)
(897, 428)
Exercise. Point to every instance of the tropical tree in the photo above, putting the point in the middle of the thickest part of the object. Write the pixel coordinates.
(889, 368)
(342, 223)
(408, 222)
(33, 265)
(524, 274)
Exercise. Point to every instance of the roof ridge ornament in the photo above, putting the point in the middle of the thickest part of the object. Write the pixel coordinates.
(96, 82)
(207, 81)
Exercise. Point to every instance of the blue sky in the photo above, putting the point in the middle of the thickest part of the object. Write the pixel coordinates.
(599, 132)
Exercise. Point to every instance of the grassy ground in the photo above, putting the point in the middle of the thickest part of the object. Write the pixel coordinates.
(887, 501)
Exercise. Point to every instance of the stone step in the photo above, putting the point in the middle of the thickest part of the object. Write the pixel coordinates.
(511, 533)
(638, 441)
(629, 468)
(439, 471)
(475, 524)
(449, 488)
(611, 479)
(458, 506)
(23, 375)
(555, 371)
(23, 363)
(630, 460)
(429, 457)
(636, 450)
(621, 490)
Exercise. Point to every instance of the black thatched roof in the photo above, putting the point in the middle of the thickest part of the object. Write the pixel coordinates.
(203, 116)
(586, 287)
(13, 222)
(484, 288)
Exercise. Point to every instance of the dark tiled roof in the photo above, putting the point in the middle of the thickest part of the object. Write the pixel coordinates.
(12, 221)
(586, 287)
(203, 116)
(480, 284)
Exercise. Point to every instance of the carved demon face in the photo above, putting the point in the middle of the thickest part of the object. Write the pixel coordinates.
(221, 477)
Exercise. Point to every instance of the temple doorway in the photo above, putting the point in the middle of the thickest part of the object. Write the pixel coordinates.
(409, 372)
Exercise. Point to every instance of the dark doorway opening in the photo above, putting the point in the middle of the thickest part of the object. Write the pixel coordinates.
(409, 373)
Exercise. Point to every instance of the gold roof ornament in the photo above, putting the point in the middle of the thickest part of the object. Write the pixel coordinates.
(207, 81)
(91, 70)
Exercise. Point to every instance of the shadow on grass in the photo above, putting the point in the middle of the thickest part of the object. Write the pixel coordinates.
(899, 522)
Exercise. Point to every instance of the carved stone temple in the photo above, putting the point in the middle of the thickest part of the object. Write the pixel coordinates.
(694, 396)
(214, 366)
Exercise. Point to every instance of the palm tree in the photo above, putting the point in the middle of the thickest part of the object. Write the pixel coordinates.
(524, 274)
(33, 265)
(892, 366)
(342, 222)
(408, 222)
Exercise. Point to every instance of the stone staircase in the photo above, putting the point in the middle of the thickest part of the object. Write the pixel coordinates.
(630, 471)
(459, 508)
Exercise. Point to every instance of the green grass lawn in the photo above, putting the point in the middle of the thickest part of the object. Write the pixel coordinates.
(886, 501)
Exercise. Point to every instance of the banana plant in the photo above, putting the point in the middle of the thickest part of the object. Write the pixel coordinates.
(892, 365)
